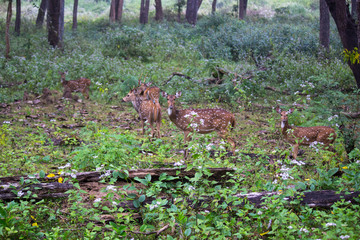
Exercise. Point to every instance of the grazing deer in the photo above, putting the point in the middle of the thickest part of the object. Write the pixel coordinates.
(147, 109)
(78, 85)
(200, 120)
(304, 135)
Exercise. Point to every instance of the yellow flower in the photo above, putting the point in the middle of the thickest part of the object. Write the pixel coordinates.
(60, 180)
(51, 175)
(32, 217)
(307, 179)
(262, 234)
(345, 167)
(35, 225)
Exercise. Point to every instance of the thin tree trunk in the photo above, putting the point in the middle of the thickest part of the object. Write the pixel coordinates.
(61, 22)
(7, 34)
(53, 17)
(324, 25)
(18, 17)
(144, 11)
(213, 7)
(41, 13)
(75, 9)
(242, 9)
(159, 15)
(120, 5)
(112, 11)
(347, 30)
(191, 11)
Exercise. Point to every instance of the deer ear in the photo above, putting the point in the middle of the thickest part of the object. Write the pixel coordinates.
(278, 110)
(291, 110)
(164, 94)
(178, 94)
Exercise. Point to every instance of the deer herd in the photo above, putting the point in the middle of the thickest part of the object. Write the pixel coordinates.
(145, 100)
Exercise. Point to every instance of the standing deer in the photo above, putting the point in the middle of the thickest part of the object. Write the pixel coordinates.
(79, 85)
(148, 110)
(304, 135)
(200, 120)
(150, 93)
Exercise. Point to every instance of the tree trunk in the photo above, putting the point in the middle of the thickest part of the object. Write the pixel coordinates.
(112, 11)
(353, 9)
(75, 9)
(347, 30)
(199, 4)
(41, 13)
(242, 8)
(53, 16)
(61, 22)
(159, 15)
(191, 11)
(324, 25)
(144, 11)
(18, 17)
(7, 34)
(119, 12)
(213, 7)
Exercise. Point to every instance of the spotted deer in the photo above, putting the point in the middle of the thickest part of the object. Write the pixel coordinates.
(305, 135)
(149, 92)
(79, 85)
(148, 110)
(200, 120)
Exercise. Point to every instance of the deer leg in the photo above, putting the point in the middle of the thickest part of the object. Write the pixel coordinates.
(186, 139)
(224, 135)
(295, 151)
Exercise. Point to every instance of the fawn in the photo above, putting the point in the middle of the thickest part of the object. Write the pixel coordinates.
(304, 135)
(78, 85)
(148, 110)
(200, 120)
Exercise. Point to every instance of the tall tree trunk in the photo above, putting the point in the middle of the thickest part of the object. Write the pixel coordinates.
(75, 9)
(347, 30)
(112, 11)
(61, 22)
(7, 34)
(144, 11)
(41, 13)
(18, 17)
(213, 7)
(191, 11)
(119, 12)
(159, 15)
(53, 16)
(199, 4)
(324, 35)
(353, 9)
(242, 8)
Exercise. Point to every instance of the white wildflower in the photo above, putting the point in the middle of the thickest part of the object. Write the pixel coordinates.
(6, 122)
(97, 200)
(344, 236)
(299, 163)
(20, 193)
(191, 188)
(110, 187)
(66, 166)
(290, 227)
(106, 174)
(330, 224)
(180, 163)
(259, 212)
(304, 230)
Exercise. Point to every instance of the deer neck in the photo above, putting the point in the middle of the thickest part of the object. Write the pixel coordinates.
(173, 113)
(136, 103)
(285, 128)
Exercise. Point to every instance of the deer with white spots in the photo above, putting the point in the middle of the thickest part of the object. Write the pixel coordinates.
(79, 85)
(148, 110)
(149, 92)
(201, 120)
(305, 135)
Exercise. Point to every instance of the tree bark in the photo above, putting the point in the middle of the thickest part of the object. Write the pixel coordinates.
(159, 15)
(7, 34)
(213, 7)
(353, 8)
(144, 11)
(75, 10)
(112, 11)
(324, 35)
(61, 22)
(41, 13)
(18, 17)
(119, 12)
(191, 11)
(242, 8)
(347, 30)
(53, 15)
